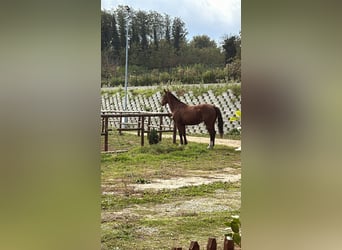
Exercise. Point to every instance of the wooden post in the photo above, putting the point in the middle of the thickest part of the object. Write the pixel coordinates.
(194, 246)
(142, 130)
(139, 124)
(148, 126)
(228, 244)
(160, 127)
(106, 133)
(212, 245)
(120, 125)
(102, 125)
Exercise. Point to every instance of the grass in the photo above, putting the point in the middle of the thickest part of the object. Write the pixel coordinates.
(165, 232)
(115, 203)
(148, 161)
(180, 89)
(134, 219)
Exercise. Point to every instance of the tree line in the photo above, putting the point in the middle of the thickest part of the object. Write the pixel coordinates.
(159, 51)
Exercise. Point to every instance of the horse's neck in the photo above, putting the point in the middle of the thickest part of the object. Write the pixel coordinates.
(176, 104)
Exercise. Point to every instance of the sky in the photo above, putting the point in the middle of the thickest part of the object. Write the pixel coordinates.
(215, 18)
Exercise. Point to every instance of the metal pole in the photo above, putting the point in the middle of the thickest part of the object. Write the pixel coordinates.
(126, 67)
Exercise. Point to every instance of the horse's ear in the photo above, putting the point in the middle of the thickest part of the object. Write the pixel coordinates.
(165, 90)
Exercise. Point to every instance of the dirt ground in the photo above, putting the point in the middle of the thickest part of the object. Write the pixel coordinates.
(192, 178)
(218, 141)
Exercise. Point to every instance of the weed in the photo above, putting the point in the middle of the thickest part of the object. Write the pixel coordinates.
(142, 181)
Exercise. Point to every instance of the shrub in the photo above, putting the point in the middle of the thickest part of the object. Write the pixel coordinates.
(117, 81)
(164, 77)
(234, 131)
(209, 76)
(236, 89)
(234, 226)
(153, 137)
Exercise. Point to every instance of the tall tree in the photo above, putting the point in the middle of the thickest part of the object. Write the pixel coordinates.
(229, 46)
(142, 22)
(105, 30)
(157, 27)
(167, 28)
(178, 33)
(121, 14)
(135, 39)
(238, 45)
(115, 37)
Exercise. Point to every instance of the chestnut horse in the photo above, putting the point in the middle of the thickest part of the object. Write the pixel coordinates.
(184, 114)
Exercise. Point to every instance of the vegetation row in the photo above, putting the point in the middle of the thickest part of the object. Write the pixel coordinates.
(160, 51)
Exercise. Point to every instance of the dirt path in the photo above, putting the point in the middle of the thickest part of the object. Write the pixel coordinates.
(193, 178)
(218, 141)
(205, 140)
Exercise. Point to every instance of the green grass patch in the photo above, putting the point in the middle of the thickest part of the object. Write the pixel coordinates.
(164, 160)
(166, 232)
(115, 203)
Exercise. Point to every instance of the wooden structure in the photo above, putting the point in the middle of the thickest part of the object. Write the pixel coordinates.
(142, 126)
(228, 244)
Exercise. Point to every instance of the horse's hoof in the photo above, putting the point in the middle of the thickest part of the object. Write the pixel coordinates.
(210, 147)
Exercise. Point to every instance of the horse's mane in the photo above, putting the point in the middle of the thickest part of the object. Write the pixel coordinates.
(177, 100)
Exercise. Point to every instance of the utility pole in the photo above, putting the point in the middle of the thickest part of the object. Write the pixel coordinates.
(126, 67)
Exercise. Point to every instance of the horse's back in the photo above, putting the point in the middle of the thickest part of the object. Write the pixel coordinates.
(208, 113)
(193, 115)
(206, 109)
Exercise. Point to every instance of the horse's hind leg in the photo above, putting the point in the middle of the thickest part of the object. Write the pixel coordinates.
(212, 134)
(212, 139)
(180, 136)
(181, 130)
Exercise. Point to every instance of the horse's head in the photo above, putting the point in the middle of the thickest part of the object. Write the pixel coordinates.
(165, 98)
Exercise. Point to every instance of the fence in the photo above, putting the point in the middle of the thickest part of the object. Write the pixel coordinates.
(141, 125)
(227, 102)
(212, 245)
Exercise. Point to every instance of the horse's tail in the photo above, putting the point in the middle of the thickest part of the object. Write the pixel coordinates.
(220, 121)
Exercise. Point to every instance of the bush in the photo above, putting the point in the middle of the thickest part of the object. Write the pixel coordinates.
(234, 229)
(153, 137)
(234, 131)
(209, 76)
(164, 77)
(117, 81)
(233, 70)
(236, 89)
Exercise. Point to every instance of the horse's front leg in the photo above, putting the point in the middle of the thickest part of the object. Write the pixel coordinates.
(180, 135)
